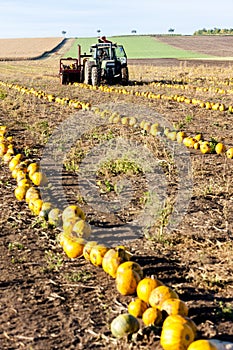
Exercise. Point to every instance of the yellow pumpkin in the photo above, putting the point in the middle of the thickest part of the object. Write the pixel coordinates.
(205, 147)
(20, 192)
(130, 265)
(87, 249)
(229, 153)
(174, 306)
(112, 260)
(72, 211)
(39, 179)
(126, 282)
(35, 205)
(73, 247)
(176, 337)
(32, 168)
(174, 319)
(32, 193)
(137, 307)
(152, 316)
(97, 253)
(160, 294)
(82, 228)
(15, 161)
(220, 148)
(202, 344)
(145, 287)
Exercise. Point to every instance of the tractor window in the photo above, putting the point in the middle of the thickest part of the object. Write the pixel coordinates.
(120, 52)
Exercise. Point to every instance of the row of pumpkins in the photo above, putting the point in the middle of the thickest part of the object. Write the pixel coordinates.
(196, 142)
(215, 106)
(157, 304)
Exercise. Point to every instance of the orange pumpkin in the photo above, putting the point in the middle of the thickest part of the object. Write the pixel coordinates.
(174, 319)
(145, 287)
(152, 316)
(73, 247)
(130, 265)
(174, 306)
(137, 307)
(176, 337)
(87, 249)
(113, 259)
(126, 282)
(97, 253)
(160, 294)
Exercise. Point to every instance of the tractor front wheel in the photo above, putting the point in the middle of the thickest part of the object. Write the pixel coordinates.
(124, 76)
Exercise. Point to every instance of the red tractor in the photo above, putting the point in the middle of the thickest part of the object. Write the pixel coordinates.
(72, 69)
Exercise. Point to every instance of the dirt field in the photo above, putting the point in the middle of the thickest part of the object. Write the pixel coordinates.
(27, 48)
(49, 301)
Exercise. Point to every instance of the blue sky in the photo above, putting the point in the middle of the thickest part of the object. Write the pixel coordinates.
(48, 18)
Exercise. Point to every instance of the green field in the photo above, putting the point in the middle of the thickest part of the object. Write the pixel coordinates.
(137, 46)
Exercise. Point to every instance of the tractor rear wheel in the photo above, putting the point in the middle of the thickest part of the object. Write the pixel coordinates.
(124, 76)
(95, 76)
(63, 79)
(87, 72)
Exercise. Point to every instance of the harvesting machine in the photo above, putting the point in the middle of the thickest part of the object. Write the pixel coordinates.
(107, 62)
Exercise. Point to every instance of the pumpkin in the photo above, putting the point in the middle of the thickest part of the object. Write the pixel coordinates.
(229, 153)
(45, 209)
(176, 337)
(137, 307)
(145, 287)
(73, 247)
(32, 168)
(174, 319)
(39, 178)
(15, 161)
(68, 223)
(82, 228)
(32, 193)
(54, 217)
(160, 294)
(123, 325)
(202, 344)
(127, 281)
(3, 148)
(97, 253)
(20, 192)
(130, 265)
(112, 260)
(152, 316)
(174, 306)
(72, 211)
(87, 249)
(35, 205)
(220, 148)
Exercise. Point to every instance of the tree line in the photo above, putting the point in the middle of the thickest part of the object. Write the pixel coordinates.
(214, 31)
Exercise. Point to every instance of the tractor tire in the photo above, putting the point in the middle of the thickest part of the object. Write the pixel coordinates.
(87, 72)
(95, 76)
(124, 76)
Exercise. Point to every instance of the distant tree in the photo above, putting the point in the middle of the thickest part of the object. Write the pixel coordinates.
(171, 30)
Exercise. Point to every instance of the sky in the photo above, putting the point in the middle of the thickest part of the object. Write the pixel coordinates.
(48, 18)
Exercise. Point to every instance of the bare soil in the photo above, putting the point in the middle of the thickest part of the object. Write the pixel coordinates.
(48, 301)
